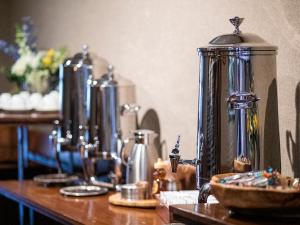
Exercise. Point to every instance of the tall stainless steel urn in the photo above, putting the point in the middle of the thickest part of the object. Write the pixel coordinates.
(237, 107)
(75, 76)
(113, 114)
(74, 89)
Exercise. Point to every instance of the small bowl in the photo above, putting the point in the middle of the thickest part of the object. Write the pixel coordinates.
(138, 191)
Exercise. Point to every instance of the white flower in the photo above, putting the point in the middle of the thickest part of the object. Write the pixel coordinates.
(19, 66)
(37, 80)
(29, 59)
(35, 59)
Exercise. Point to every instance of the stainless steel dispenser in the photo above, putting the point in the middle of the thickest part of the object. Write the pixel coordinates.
(75, 76)
(74, 88)
(104, 139)
(237, 97)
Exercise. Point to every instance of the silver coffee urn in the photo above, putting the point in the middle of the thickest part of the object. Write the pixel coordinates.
(75, 76)
(237, 108)
(113, 114)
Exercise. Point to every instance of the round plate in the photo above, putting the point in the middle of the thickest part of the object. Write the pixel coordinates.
(83, 191)
(55, 179)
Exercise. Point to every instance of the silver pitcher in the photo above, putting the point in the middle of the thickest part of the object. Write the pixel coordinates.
(237, 107)
(141, 158)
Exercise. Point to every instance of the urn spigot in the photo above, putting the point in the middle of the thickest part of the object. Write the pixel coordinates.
(174, 156)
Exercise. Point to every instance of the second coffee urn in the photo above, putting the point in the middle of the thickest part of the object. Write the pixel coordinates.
(113, 114)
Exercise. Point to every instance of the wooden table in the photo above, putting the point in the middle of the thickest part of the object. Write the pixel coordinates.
(22, 120)
(69, 210)
(97, 210)
(215, 214)
(28, 118)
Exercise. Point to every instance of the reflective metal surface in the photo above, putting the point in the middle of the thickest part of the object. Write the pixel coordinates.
(228, 118)
(134, 191)
(93, 116)
(59, 178)
(102, 138)
(105, 117)
(233, 38)
(235, 101)
(74, 89)
(142, 156)
(83, 191)
(75, 76)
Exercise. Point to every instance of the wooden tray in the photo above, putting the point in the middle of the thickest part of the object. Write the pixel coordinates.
(116, 199)
(253, 198)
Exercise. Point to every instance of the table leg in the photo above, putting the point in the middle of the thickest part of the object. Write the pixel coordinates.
(20, 153)
(25, 146)
(31, 216)
(21, 214)
(20, 167)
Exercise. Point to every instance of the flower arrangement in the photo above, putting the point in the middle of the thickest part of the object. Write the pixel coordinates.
(33, 69)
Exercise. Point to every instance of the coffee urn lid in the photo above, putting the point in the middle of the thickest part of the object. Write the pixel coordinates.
(239, 43)
(82, 57)
(108, 79)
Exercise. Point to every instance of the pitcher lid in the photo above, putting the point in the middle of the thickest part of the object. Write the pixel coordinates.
(144, 136)
(144, 132)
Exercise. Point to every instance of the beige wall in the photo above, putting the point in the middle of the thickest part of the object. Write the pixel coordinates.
(5, 34)
(154, 43)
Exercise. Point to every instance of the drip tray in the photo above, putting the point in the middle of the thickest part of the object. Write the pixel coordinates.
(83, 191)
(55, 179)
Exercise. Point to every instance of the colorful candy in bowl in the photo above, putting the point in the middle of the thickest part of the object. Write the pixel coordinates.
(261, 190)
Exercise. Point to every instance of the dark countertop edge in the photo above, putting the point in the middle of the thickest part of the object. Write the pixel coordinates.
(36, 207)
(195, 216)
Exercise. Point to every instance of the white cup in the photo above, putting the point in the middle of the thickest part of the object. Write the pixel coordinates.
(5, 100)
(35, 100)
(17, 103)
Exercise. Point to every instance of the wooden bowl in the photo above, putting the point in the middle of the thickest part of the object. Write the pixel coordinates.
(241, 198)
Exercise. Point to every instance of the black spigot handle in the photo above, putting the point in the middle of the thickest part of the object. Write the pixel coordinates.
(176, 148)
(174, 156)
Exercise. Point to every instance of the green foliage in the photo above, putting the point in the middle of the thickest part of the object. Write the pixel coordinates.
(35, 67)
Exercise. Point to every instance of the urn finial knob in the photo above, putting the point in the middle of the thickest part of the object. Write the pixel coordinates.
(236, 22)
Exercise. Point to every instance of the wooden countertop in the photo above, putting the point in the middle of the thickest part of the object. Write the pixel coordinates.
(71, 210)
(215, 214)
(28, 118)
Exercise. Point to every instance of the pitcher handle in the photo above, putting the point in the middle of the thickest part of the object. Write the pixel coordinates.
(124, 144)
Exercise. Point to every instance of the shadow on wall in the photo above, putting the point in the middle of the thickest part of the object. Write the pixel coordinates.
(150, 121)
(272, 155)
(293, 144)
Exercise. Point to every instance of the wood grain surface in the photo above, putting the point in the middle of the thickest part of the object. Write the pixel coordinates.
(28, 118)
(72, 210)
(216, 214)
